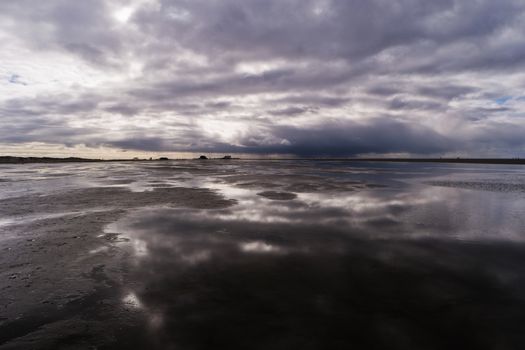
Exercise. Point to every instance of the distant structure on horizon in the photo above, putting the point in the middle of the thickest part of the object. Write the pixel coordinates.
(227, 157)
(203, 157)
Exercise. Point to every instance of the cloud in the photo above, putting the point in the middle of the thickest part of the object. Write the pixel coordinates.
(303, 77)
(336, 138)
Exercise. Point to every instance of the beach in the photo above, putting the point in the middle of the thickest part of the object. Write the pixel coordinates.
(248, 254)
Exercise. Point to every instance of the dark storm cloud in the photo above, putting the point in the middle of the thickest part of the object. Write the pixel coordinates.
(362, 76)
(335, 138)
(349, 139)
(143, 144)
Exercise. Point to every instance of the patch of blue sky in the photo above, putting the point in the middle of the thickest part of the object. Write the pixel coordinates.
(502, 100)
(15, 79)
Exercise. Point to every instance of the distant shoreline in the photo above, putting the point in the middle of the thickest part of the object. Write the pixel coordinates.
(508, 161)
(24, 160)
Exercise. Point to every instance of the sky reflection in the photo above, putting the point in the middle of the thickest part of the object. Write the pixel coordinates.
(394, 256)
(224, 282)
(393, 264)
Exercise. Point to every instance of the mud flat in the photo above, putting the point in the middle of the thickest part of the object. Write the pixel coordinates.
(261, 255)
(60, 270)
(279, 196)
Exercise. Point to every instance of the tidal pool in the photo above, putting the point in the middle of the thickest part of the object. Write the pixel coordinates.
(262, 255)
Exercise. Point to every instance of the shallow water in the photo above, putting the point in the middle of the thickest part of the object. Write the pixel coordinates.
(262, 254)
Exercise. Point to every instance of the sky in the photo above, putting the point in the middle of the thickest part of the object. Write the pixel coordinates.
(262, 78)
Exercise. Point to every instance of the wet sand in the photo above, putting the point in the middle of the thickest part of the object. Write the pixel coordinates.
(261, 255)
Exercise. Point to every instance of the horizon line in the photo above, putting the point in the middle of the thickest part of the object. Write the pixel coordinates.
(71, 159)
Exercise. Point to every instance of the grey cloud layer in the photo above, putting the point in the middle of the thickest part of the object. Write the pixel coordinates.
(303, 77)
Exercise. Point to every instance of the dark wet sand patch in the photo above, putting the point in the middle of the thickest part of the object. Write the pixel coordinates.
(57, 174)
(113, 197)
(278, 196)
(52, 257)
(17, 172)
(73, 265)
(480, 186)
(114, 237)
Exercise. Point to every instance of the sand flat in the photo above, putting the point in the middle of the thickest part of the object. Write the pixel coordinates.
(186, 255)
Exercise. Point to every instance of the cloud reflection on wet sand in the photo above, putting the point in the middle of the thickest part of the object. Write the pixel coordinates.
(325, 271)
(366, 256)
